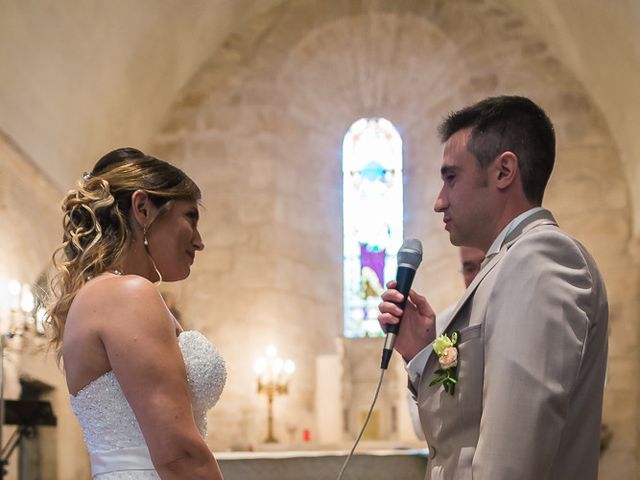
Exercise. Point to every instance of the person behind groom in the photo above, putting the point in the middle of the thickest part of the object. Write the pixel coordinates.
(527, 344)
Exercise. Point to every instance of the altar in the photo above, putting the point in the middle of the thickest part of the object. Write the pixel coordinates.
(323, 465)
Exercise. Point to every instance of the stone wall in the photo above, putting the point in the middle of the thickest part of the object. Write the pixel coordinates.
(31, 229)
(260, 128)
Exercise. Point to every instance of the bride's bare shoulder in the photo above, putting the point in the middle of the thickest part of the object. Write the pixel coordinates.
(116, 296)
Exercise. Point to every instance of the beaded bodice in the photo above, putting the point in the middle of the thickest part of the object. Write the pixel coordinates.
(108, 422)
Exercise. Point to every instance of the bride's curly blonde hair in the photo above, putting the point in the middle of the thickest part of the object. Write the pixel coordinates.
(96, 222)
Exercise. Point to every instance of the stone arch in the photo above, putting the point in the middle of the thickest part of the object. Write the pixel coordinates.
(260, 128)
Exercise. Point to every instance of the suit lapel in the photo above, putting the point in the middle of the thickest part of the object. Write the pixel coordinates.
(474, 284)
(543, 217)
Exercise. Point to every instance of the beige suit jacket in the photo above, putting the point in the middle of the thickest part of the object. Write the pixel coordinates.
(532, 357)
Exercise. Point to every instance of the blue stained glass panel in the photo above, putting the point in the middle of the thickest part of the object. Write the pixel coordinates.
(372, 214)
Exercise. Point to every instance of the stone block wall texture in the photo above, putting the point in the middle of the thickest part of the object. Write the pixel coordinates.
(260, 128)
(30, 220)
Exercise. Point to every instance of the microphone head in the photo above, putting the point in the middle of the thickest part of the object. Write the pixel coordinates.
(410, 253)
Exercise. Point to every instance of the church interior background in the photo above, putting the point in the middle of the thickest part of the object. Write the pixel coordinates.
(310, 127)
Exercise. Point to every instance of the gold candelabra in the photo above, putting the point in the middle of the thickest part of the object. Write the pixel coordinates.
(273, 375)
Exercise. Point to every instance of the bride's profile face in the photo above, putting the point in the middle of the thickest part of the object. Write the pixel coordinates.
(174, 240)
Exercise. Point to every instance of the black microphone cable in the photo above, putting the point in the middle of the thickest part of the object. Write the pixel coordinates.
(366, 421)
(409, 258)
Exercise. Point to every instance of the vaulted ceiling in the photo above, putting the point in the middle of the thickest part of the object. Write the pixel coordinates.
(79, 77)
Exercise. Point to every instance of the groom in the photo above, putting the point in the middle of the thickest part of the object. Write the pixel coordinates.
(524, 396)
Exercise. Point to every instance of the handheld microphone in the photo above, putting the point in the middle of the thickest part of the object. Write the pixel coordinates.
(409, 258)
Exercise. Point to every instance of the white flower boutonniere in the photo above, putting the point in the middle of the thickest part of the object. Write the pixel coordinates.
(446, 348)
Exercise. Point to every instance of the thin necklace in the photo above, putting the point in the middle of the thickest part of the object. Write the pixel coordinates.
(115, 271)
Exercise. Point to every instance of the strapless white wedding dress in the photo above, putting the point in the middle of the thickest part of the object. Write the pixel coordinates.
(116, 446)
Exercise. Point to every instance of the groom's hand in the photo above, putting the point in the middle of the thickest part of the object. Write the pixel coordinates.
(418, 327)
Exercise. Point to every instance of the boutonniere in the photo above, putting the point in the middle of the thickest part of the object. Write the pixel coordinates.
(446, 348)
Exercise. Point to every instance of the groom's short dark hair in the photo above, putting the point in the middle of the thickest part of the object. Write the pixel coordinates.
(509, 124)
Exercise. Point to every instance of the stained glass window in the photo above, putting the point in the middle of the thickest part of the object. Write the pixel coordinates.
(372, 213)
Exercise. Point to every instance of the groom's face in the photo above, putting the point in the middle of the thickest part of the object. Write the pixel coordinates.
(466, 199)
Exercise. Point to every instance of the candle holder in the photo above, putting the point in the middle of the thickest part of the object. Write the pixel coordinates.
(273, 375)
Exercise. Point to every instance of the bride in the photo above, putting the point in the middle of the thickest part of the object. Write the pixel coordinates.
(139, 385)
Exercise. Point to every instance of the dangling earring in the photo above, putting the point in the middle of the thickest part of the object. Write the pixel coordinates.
(145, 242)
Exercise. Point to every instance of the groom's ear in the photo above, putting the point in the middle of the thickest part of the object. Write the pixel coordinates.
(505, 169)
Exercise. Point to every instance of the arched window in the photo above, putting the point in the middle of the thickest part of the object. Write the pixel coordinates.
(372, 215)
